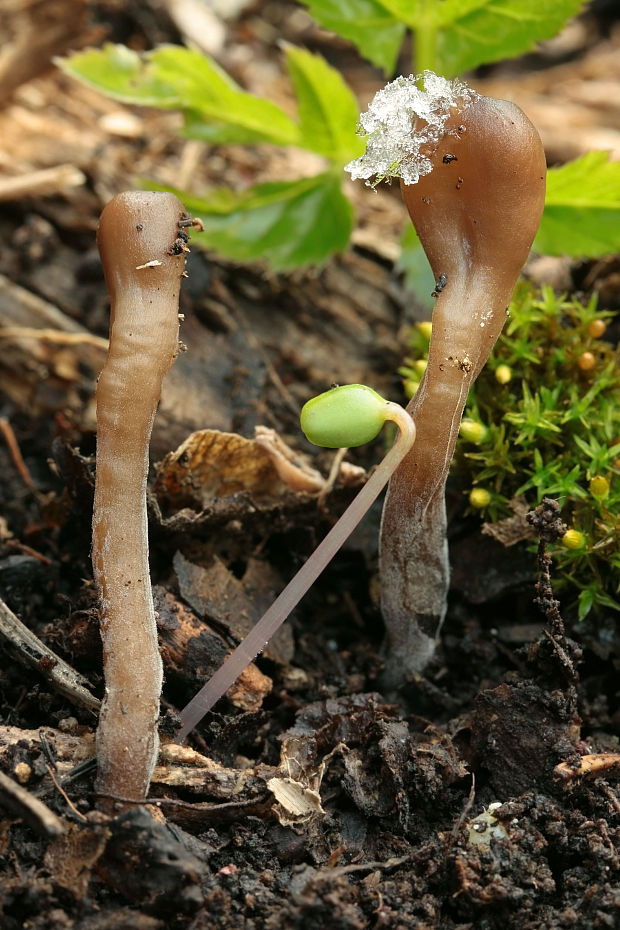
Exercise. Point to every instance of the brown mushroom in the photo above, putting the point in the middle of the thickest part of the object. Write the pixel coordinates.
(141, 239)
(476, 213)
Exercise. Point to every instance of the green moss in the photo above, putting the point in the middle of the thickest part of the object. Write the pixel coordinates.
(551, 428)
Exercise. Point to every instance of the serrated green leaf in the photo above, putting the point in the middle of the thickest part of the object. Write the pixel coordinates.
(374, 31)
(123, 74)
(457, 35)
(326, 108)
(287, 224)
(467, 33)
(171, 77)
(582, 208)
(475, 32)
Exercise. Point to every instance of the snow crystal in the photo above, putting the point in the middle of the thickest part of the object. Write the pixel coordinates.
(394, 142)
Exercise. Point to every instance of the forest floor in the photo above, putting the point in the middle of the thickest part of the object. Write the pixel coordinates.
(486, 794)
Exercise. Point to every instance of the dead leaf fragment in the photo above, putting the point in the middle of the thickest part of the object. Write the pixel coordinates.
(295, 803)
(212, 464)
(513, 529)
(72, 856)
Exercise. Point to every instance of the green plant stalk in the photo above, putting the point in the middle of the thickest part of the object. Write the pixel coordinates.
(425, 47)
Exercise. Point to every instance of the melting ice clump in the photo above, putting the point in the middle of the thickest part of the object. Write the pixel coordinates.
(402, 122)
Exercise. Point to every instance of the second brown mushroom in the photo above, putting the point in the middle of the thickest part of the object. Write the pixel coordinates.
(476, 207)
(141, 239)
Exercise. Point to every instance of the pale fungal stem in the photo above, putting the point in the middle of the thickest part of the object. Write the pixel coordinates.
(142, 251)
(270, 622)
(473, 179)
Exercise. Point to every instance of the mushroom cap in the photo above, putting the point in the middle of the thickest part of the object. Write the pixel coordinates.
(481, 204)
(138, 231)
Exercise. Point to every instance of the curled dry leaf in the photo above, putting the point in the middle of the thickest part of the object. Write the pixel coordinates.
(297, 783)
(211, 464)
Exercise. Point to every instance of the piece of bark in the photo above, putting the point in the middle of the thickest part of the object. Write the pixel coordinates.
(183, 767)
(19, 801)
(192, 651)
(68, 749)
(37, 655)
(48, 362)
(233, 603)
(177, 767)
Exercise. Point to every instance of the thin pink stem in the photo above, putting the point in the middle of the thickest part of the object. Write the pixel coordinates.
(272, 620)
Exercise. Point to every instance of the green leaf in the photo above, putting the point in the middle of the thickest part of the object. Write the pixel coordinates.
(171, 77)
(327, 109)
(120, 73)
(586, 600)
(475, 32)
(464, 33)
(582, 208)
(372, 28)
(288, 224)
(593, 595)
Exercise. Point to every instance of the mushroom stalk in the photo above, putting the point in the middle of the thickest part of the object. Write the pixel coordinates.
(476, 213)
(141, 240)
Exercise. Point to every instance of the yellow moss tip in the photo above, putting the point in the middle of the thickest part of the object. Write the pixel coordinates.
(573, 539)
(479, 498)
(472, 431)
(410, 386)
(425, 328)
(586, 361)
(503, 374)
(596, 328)
(599, 486)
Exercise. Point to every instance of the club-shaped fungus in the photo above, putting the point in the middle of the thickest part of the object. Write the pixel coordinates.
(141, 239)
(472, 172)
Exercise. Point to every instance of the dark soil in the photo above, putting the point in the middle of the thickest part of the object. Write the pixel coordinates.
(307, 798)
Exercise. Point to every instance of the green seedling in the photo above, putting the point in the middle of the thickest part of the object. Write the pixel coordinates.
(346, 416)
(349, 415)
